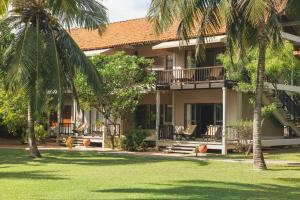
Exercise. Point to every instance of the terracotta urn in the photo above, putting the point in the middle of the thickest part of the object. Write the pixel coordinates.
(69, 143)
(86, 142)
(202, 149)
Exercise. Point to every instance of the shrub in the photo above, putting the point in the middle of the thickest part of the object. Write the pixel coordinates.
(40, 132)
(241, 131)
(135, 140)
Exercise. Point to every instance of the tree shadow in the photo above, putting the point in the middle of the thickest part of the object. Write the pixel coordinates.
(45, 175)
(285, 167)
(203, 189)
(84, 158)
(290, 180)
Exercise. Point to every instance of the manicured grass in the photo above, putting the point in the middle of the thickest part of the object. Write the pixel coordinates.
(292, 154)
(91, 175)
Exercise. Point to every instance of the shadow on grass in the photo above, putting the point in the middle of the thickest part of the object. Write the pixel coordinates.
(203, 189)
(290, 180)
(45, 175)
(286, 167)
(9, 157)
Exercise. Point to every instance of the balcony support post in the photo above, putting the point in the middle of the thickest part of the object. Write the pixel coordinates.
(157, 116)
(173, 109)
(224, 143)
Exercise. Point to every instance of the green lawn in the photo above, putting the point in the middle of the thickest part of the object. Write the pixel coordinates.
(271, 154)
(90, 175)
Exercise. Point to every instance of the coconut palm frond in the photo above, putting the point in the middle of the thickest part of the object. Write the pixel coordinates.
(89, 14)
(73, 57)
(163, 13)
(254, 10)
(3, 6)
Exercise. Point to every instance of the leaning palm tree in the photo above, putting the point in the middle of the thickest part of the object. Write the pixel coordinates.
(247, 22)
(43, 58)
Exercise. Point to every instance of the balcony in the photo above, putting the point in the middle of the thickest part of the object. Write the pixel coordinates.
(192, 78)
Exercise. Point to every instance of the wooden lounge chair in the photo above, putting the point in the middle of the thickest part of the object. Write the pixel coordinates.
(189, 131)
(190, 75)
(213, 133)
(79, 129)
(215, 73)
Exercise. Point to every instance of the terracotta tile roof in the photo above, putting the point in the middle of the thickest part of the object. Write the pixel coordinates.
(131, 32)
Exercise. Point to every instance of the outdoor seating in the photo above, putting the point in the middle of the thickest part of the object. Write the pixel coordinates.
(80, 129)
(189, 131)
(213, 132)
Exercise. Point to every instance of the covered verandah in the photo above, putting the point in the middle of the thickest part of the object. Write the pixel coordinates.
(208, 110)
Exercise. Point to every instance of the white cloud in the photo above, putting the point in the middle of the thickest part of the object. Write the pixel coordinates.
(120, 10)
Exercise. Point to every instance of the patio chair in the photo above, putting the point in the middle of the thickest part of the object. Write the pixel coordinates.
(190, 75)
(215, 74)
(80, 129)
(213, 132)
(189, 131)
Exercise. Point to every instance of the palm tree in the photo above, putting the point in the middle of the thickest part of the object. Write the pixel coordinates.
(43, 58)
(255, 21)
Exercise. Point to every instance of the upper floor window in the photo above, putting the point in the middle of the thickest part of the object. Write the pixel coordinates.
(169, 62)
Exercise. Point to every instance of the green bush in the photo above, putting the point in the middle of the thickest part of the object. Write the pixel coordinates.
(135, 140)
(241, 132)
(40, 132)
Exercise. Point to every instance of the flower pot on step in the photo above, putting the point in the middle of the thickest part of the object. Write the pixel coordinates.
(86, 142)
(202, 149)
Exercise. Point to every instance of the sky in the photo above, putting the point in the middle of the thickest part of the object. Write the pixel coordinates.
(120, 10)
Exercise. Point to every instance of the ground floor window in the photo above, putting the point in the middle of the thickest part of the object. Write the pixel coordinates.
(145, 115)
(168, 113)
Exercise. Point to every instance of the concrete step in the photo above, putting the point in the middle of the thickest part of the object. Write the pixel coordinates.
(178, 151)
(183, 148)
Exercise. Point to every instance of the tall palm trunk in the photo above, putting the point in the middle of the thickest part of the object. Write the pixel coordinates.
(59, 108)
(34, 152)
(258, 158)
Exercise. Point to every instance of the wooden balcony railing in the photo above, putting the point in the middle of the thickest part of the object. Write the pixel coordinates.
(191, 75)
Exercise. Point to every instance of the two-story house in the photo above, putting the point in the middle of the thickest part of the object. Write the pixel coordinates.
(189, 94)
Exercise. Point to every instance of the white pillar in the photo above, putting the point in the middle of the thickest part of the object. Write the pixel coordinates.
(74, 114)
(173, 108)
(224, 146)
(157, 115)
(173, 113)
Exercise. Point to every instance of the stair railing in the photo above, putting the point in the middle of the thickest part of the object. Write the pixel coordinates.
(287, 102)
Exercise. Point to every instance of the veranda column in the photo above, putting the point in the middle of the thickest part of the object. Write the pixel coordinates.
(173, 111)
(157, 116)
(224, 146)
(173, 97)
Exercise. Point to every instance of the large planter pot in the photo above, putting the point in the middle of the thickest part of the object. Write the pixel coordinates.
(69, 143)
(202, 149)
(86, 142)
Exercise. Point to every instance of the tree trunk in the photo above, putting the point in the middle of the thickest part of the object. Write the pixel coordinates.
(34, 152)
(112, 138)
(258, 158)
(59, 106)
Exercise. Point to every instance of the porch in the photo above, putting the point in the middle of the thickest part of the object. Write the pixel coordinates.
(169, 112)
(171, 139)
(94, 134)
